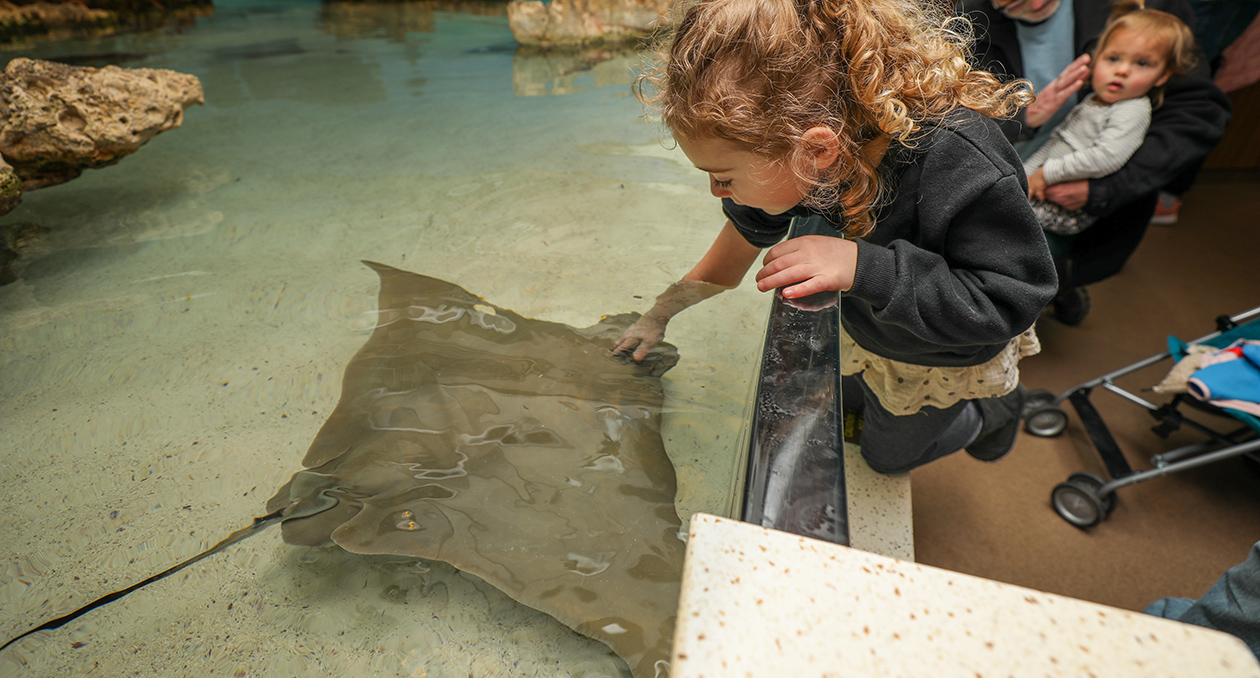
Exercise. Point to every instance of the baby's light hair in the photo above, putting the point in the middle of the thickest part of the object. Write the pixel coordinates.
(760, 73)
(1177, 38)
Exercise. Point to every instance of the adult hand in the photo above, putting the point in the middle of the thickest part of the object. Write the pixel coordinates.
(1052, 97)
(1071, 194)
(808, 265)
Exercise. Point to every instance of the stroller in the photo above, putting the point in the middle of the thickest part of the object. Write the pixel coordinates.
(1085, 499)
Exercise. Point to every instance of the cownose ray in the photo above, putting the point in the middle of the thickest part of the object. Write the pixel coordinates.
(517, 450)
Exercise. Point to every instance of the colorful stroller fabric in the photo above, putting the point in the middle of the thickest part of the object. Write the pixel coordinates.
(1229, 384)
(1228, 378)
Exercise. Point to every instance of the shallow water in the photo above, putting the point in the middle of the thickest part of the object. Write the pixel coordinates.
(183, 319)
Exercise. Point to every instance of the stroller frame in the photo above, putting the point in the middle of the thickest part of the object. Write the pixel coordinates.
(1086, 499)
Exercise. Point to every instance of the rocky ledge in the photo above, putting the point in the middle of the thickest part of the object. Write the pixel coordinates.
(56, 120)
(582, 22)
(23, 21)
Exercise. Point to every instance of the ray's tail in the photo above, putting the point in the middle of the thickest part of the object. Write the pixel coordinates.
(258, 525)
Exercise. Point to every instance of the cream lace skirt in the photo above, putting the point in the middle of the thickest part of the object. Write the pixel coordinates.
(903, 388)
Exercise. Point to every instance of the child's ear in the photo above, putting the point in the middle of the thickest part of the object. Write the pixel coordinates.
(1160, 83)
(823, 146)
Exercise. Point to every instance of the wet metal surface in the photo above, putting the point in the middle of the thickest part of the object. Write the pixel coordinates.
(795, 478)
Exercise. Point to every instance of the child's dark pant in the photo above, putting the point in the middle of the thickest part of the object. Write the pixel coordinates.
(895, 444)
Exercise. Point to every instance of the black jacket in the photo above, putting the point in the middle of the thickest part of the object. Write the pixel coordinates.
(957, 264)
(1183, 130)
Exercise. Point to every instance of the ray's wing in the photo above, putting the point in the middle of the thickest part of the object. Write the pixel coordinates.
(518, 450)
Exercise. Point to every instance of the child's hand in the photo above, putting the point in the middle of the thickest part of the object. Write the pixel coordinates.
(808, 265)
(645, 333)
(1037, 185)
(649, 330)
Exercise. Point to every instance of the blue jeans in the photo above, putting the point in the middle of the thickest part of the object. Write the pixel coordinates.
(1232, 604)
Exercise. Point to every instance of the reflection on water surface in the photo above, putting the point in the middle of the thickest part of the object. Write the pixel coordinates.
(183, 319)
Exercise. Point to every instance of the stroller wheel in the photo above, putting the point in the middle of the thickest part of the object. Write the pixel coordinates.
(1077, 504)
(1095, 483)
(1046, 421)
(1038, 397)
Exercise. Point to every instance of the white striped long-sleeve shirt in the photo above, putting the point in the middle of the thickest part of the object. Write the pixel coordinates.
(1095, 140)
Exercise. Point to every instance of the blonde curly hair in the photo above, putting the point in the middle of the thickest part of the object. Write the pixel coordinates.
(760, 73)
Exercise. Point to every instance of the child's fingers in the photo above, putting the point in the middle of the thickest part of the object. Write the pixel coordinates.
(785, 270)
(804, 289)
(639, 353)
(776, 261)
(641, 346)
(789, 254)
(625, 343)
(799, 281)
(829, 260)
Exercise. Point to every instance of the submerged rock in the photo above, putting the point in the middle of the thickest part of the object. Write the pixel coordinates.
(10, 187)
(56, 120)
(567, 22)
(557, 72)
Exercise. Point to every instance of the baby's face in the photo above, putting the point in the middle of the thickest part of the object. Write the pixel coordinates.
(743, 176)
(1129, 66)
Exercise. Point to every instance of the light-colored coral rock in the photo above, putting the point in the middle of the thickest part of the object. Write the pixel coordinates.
(58, 119)
(562, 22)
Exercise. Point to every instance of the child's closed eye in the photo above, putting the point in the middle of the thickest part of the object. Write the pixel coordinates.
(722, 184)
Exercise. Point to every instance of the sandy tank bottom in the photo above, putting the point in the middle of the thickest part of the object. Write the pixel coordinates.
(183, 319)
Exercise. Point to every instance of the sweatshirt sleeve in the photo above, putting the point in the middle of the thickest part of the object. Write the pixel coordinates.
(974, 269)
(1123, 130)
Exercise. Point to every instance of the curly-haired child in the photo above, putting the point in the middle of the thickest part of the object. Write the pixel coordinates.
(864, 116)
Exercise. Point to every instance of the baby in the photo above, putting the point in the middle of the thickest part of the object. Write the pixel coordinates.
(1140, 49)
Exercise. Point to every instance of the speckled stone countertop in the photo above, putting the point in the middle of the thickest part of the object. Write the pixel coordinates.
(879, 508)
(758, 602)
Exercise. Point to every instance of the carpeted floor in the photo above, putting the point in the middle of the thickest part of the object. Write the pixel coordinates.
(1172, 535)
